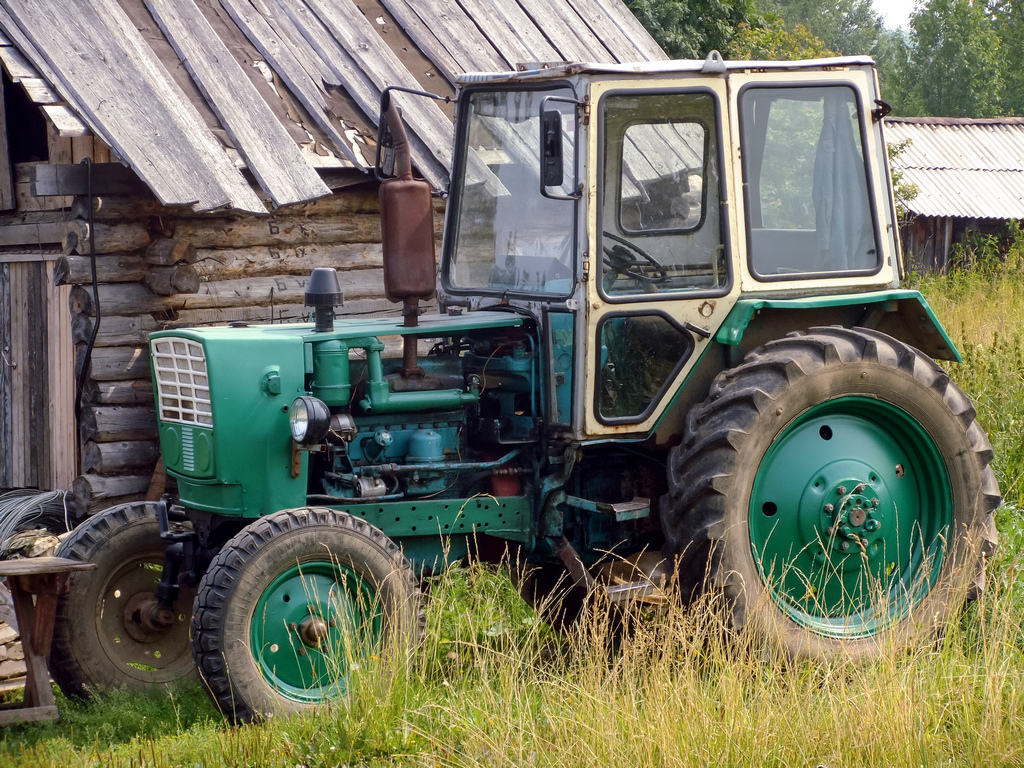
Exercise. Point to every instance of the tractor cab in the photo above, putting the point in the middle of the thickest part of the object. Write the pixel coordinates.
(613, 204)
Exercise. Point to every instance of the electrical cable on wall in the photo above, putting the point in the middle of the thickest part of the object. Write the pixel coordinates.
(87, 360)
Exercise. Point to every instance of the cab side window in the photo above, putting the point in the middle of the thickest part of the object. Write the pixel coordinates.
(805, 183)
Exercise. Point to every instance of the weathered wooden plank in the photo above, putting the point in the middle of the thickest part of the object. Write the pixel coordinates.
(607, 30)
(269, 151)
(632, 29)
(431, 132)
(69, 179)
(566, 31)
(58, 147)
(107, 238)
(135, 299)
(39, 90)
(511, 31)
(448, 37)
(25, 201)
(6, 389)
(118, 81)
(120, 457)
(66, 122)
(105, 423)
(17, 66)
(7, 198)
(61, 369)
(278, 230)
(290, 35)
(290, 69)
(116, 268)
(31, 234)
(42, 254)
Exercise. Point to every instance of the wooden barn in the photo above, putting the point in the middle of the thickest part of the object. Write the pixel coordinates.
(969, 175)
(210, 153)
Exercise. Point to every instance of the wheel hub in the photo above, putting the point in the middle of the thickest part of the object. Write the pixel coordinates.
(145, 619)
(852, 519)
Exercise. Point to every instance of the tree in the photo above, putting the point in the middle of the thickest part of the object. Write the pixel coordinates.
(956, 59)
(1008, 19)
(850, 27)
(690, 29)
(773, 41)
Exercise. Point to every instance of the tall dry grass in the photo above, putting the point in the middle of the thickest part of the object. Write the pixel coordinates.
(494, 686)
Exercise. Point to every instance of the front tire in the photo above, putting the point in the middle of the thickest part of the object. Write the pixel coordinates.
(101, 639)
(292, 602)
(836, 487)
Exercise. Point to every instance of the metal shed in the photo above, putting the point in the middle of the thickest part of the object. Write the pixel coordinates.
(230, 142)
(969, 175)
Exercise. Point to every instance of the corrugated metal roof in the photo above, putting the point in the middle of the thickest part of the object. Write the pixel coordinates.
(171, 98)
(962, 167)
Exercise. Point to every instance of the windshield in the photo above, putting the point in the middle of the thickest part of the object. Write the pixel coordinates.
(508, 237)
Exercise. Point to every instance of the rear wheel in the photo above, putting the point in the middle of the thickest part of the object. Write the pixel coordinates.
(110, 632)
(292, 602)
(837, 488)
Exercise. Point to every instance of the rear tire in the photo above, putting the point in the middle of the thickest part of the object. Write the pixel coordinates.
(99, 640)
(836, 487)
(291, 602)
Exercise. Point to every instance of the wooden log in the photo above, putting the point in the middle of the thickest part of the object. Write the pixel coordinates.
(135, 392)
(136, 299)
(166, 281)
(123, 207)
(158, 482)
(116, 268)
(170, 250)
(110, 238)
(364, 198)
(278, 230)
(94, 492)
(106, 423)
(264, 261)
(119, 457)
(114, 363)
(115, 331)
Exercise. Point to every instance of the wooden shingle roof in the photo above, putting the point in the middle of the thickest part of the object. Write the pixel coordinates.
(189, 92)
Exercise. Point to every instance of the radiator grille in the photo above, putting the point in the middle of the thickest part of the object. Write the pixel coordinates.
(183, 387)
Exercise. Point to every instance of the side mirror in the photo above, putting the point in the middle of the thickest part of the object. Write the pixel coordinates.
(551, 170)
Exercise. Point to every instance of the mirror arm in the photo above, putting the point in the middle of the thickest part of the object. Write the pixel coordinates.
(382, 124)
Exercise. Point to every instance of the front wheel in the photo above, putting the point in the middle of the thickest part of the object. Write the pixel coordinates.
(837, 488)
(110, 631)
(292, 603)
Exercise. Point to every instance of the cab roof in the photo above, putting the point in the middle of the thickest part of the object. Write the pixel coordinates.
(714, 64)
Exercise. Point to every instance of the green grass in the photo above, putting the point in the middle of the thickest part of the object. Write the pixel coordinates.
(493, 686)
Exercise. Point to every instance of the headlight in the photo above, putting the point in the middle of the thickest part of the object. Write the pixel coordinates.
(310, 420)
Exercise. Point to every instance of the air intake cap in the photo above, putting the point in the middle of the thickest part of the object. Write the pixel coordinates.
(323, 294)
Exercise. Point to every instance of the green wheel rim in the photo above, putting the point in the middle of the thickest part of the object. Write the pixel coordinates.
(849, 516)
(312, 625)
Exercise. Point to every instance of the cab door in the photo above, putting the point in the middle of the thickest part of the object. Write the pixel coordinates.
(660, 272)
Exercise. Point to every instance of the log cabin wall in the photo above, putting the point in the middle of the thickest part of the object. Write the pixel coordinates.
(158, 268)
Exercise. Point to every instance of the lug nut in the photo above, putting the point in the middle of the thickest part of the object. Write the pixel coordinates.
(844, 546)
(841, 490)
(829, 509)
(874, 503)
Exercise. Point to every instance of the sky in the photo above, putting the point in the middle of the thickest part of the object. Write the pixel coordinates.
(895, 12)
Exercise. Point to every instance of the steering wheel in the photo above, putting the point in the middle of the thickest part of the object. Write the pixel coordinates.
(622, 258)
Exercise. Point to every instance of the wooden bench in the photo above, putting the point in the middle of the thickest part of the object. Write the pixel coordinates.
(46, 578)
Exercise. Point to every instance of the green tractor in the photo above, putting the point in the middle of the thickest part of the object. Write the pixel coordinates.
(672, 353)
